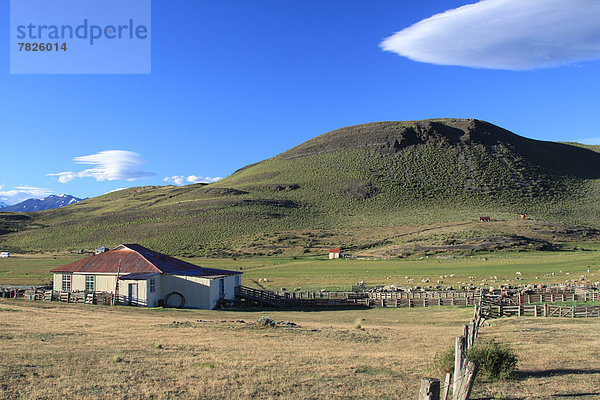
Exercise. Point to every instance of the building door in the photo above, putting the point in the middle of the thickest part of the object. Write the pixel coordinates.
(133, 294)
(221, 288)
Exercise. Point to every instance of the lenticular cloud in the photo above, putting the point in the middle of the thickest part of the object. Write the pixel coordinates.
(504, 34)
(109, 165)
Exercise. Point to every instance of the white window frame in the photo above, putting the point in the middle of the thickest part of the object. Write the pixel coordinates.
(90, 284)
(152, 285)
(67, 280)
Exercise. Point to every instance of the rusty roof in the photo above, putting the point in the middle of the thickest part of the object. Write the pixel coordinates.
(334, 250)
(136, 259)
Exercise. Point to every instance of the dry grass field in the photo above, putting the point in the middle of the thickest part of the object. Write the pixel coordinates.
(57, 351)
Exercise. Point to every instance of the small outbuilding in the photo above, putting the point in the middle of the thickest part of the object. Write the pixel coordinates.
(143, 277)
(101, 250)
(334, 253)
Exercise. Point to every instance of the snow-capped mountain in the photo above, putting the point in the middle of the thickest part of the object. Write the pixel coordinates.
(52, 201)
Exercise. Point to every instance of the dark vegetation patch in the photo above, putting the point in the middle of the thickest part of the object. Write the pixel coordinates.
(358, 190)
(272, 203)
(281, 187)
(217, 191)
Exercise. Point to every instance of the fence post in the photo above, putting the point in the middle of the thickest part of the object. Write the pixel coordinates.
(430, 389)
(471, 333)
(459, 358)
(447, 383)
(546, 306)
(466, 384)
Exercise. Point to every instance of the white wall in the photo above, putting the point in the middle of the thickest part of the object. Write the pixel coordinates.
(198, 292)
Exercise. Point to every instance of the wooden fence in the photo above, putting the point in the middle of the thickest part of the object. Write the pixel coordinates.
(464, 372)
(264, 297)
(541, 310)
(69, 297)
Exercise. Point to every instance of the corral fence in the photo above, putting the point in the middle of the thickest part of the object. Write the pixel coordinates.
(409, 299)
(265, 297)
(541, 310)
(69, 297)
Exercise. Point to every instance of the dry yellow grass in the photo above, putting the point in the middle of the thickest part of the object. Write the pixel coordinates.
(53, 351)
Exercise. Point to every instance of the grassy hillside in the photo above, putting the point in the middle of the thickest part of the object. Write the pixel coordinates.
(354, 186)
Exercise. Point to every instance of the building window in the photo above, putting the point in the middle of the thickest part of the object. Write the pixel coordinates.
(152, 285)
(238, 280)
(90, 283)
(66, 283)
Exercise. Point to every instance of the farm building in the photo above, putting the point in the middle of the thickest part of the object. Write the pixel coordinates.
(148, 278)
(334, 253)
(101, 250)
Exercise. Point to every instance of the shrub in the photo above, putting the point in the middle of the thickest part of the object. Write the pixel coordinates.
(443, 361)
(266, 321)
(496, 361)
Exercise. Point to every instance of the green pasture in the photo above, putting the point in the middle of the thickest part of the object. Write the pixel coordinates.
(312, 273)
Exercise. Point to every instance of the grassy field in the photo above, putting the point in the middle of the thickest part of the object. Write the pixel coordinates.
(57, 351)
(317, 273)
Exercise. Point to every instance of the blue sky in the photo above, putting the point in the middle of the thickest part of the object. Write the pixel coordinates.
(236, 82)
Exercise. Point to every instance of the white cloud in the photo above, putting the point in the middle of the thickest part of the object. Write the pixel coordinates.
(110, 165)
(23, 192)
(182, 180)
(504, 34)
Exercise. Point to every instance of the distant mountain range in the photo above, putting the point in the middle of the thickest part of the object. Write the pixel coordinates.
(50, 202)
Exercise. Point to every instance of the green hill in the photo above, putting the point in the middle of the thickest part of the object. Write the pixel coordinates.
(356, 186)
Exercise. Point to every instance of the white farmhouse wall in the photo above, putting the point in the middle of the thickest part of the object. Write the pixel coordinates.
(57, 282)
(142, 292)
(202, 293)
(195, 290)
(104, 283)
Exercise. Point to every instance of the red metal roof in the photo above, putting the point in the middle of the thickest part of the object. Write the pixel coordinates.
(139, 260)
(334, 250)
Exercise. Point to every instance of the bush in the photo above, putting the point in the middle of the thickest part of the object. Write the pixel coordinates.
(266, 321)
(443, 361)
(496, 361)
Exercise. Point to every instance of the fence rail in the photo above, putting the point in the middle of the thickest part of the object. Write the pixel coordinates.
(541, 310)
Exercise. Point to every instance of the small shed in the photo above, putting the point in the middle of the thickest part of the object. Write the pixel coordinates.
(143, 277)
(5, 254)
(334, 253)
(101, 250)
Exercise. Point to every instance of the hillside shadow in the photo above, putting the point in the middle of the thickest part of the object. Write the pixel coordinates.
(566, 159)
